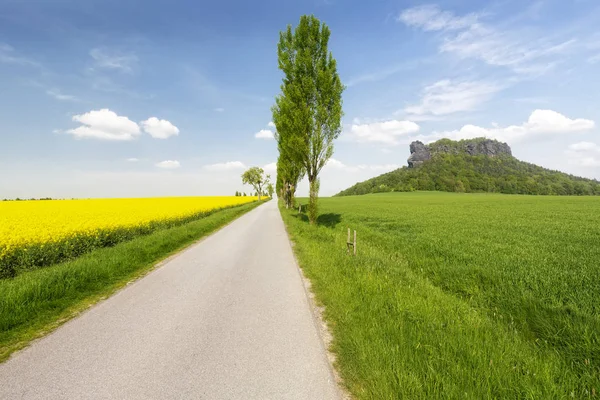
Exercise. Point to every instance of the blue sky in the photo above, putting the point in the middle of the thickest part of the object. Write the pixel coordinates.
(156, 98)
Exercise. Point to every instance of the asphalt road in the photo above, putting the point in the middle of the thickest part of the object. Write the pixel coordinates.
(228, 318)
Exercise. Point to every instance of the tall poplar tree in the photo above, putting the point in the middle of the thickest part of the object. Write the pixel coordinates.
(308, 112)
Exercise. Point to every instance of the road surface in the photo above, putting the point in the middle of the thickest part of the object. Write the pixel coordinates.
(228, 318)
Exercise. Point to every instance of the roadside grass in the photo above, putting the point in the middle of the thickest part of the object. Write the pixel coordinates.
(36, 302)
(459, 295)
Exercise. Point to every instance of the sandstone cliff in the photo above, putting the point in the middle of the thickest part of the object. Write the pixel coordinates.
(419, 152)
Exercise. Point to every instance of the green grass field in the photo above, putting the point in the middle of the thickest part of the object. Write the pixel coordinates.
(459, 295)
(38, 301)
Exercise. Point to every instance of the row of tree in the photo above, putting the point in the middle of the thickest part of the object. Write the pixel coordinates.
(308, 111)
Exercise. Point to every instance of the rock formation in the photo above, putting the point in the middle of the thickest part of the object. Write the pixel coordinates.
(419, 152)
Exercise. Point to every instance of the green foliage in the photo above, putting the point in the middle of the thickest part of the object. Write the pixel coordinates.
(35, 302)
(464, 173)
(308, 111)
(475, 296)
(270, 189)
(255, 177)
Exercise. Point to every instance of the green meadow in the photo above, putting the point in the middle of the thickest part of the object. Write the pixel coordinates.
(459, 295)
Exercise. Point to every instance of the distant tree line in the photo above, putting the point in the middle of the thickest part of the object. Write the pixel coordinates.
(32, 199)
(471, 174)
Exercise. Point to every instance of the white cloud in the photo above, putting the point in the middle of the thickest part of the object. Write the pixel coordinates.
(104, 125)
(159, 128)
(270, 168)
(540, 122)
(169, 164)
(335, 164)
(585, 146)
(133, 159)
(226, 166)
(467, 37)
(220, 109)
(584, 154)
(108, 59)
(386, 133)
(586, 161)
(60, 96)
(271, 124)
(431, 18)
(446, 97)
(264, 134)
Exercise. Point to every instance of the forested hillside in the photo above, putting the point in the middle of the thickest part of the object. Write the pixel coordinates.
(462, 172)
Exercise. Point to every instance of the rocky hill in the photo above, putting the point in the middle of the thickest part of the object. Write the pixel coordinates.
(476, 165)
(420, 152)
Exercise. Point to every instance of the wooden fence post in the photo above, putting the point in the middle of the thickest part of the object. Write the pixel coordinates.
(351, 244)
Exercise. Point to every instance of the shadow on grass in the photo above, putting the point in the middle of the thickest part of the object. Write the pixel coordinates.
(329, 220)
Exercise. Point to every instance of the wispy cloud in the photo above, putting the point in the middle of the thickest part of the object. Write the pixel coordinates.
(431, 18)
(446, 97)
(61, 96)
(8, 55)
(208, 88)
(384, 73)
(113, 60)
(594, 59)
(468, 37)
(106, 84)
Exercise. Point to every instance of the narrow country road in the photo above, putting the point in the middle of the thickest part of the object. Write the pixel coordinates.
(228, 318)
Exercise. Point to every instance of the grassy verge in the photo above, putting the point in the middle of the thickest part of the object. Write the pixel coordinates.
(459, 296)
(36, 302)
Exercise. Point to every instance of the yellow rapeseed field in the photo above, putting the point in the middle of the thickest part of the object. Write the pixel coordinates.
(37, 233)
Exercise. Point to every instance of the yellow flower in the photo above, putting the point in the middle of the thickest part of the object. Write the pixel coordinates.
(33, 224)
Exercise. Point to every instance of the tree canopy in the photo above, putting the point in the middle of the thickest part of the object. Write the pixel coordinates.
(308, 112)
(255, 177)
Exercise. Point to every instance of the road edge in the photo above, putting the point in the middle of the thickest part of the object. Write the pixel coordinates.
(325, 335)
(77, 310)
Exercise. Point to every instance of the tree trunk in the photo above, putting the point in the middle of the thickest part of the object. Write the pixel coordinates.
(313, 211)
